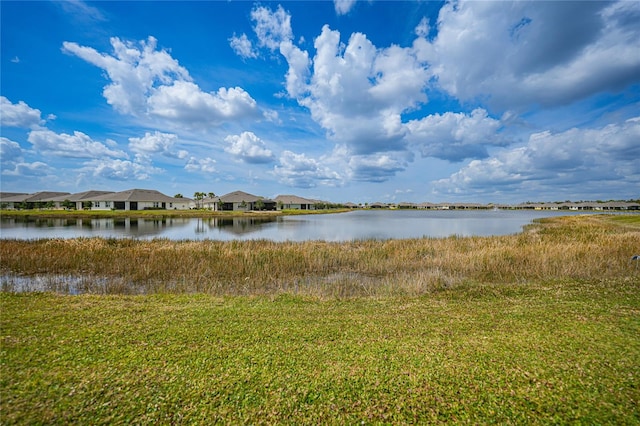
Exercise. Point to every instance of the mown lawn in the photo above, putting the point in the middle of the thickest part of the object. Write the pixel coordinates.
(556, 352)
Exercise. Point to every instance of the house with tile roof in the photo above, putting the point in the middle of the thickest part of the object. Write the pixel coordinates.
(29, 201)
(243, 201)
(293, 202)
(139, 199)
(80, 200)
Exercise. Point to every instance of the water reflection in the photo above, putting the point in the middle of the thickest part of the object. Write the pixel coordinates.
(232, 225)
(173, 228)
(357, 225)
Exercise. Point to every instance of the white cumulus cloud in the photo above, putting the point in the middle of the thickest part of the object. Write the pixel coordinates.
(18, 115)
(455, 136)
(35, 169)
(242, 46)
(249, 148)
(576, 161)
(357, 92)
(120, 170)
(514, 55)
(157, 143)
(343, 6)
(78, 145)
(271, 27)
(148, 81)
(10, 151)
(184, 102)
(201, 165)
(301, 171)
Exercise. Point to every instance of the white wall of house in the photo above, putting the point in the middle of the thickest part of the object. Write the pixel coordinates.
(211, 205)
(143, 205)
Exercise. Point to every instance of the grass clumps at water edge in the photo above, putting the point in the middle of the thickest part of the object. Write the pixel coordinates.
(561, 352)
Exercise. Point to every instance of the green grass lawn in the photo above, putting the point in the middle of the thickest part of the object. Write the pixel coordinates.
(558, 352)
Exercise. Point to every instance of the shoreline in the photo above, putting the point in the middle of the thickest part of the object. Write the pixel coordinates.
(151, 214)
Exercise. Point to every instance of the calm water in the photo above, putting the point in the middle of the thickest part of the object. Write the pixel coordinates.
(356, 225)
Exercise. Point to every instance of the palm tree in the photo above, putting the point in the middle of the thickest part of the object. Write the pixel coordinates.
(198, 196)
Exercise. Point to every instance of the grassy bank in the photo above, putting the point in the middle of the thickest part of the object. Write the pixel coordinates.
(581, 248)
(556, 353)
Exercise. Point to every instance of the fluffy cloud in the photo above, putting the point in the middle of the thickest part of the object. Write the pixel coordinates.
(272, 28)
(23, 170)
(358, 92)
(121, 170)
(201, 165)
(13, 164)
(12, 161)
(581, 161)
(249, 148)
(343, 6)
(546, 53)
(376, 167)
(77, 145)
(301, 171)
(456, 136)
(298, 73)
(242, 46)
(18, 115)
(145, 80)
(133, 71)
(184, 102)
(157, 143)
(10, 151)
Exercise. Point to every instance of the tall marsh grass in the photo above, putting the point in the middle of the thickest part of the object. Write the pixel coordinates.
(584, 248)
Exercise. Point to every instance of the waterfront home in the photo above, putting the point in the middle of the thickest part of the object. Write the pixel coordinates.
(6, 196)
(139, 199)
(378, 205)
(78, 201)
(407, 205)
(29, 201)
(242, 201)
(293, 202)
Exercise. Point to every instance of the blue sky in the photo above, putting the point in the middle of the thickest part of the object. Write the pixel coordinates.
(358, 101)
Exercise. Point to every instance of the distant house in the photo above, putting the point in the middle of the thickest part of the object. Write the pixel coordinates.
(138, 199)
(79, 200)
(378, 205)
(407, 205)
(30, 201)
(5, 198)
(293, 202)
(242, 201)
(427, 206)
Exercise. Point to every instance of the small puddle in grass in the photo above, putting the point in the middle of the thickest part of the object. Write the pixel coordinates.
(66, 284)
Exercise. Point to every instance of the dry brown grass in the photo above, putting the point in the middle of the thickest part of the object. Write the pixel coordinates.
(577, 248)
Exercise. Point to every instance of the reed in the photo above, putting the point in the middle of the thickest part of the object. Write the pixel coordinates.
(583, 248)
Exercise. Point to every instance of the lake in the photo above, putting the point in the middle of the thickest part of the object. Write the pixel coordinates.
(356, 225)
